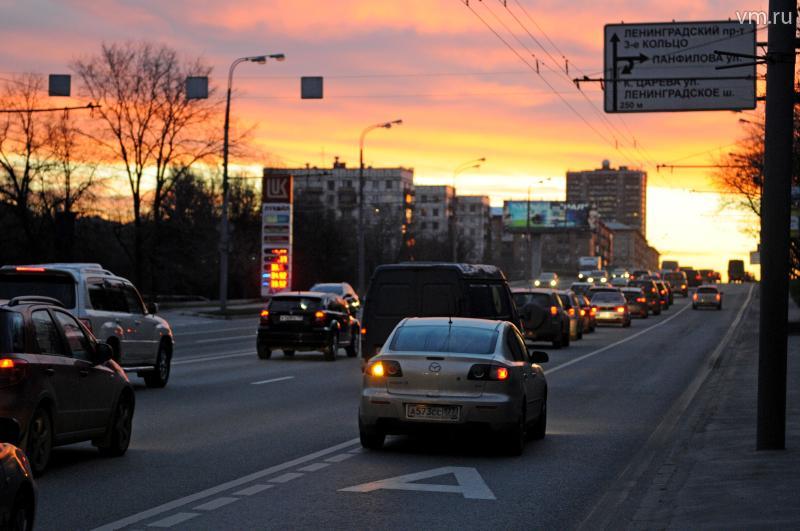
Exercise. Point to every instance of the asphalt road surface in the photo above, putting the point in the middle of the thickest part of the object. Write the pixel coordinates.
(234, 442)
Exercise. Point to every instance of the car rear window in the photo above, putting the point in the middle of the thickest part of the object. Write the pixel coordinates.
(338, 289)
(294, 304)
(58, 287)
(542, 300)
(488, 300)
(706, 290)
(607, 296)
(444, 339)
(632, 295)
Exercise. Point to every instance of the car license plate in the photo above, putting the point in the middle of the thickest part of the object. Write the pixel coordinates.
(291, 318)
(428, 412)
(607, 315)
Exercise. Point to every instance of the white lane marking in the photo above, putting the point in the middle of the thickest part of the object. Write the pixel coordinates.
(213, 358)
(255, 489)
(313, 467)
(223, 487)
(731, 329)
(339, 458)
(470, 483)
(285, 478)
(215, 504)
(221, 339)
(281, 379)
(175, 519)
(180, 334)
(612, 345)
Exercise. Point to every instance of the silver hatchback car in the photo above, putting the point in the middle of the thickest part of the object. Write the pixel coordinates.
(454, 373)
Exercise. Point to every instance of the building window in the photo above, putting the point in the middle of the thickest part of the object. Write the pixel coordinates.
(435, 211)
(472, 208)
(331, 186)
(423, 225)
(423, 199)
(388, 185)
(435, 225)
(348, 183)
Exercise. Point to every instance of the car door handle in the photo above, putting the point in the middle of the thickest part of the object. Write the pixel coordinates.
(84, 372)
(49, 371)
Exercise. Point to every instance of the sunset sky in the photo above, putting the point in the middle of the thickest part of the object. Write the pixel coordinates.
(461, 93)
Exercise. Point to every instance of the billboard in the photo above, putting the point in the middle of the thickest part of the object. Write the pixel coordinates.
(545, 215)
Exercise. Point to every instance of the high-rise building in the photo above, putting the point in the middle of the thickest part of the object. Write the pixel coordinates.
(473, 219)
(433, 214)
(617, 194)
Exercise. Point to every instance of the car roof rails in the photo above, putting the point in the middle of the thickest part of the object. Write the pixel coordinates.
(32, 299)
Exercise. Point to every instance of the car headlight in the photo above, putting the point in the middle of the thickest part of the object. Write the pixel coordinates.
(553, 283)
(580, 275)
(604, 279)
(590, 279)
(536, 283)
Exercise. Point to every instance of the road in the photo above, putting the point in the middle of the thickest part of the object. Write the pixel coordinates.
(234, 442)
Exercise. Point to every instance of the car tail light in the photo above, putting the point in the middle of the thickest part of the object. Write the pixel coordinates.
(30, 269)
(319, 316)
(694, 297)
(88, 324)
(663, 292)
(718, 296)
(697, 277)
(571, 312)
(11, 371)
(387, 368)
(488, 372)
(641, 299)
(620, 309)
(363, 330)
(583, 312)
(264, 316)
(553, 310)
(683, 286)
(593, 310)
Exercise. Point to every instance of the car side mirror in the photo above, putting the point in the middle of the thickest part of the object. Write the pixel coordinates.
(152, 308)
(537, 356)
(9, 431)
(103, 352)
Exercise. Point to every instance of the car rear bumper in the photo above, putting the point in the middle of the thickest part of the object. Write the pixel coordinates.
(277, 339)
(547, 332)
(387, 411)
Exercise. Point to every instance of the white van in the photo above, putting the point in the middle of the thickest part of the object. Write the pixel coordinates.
(109, 306)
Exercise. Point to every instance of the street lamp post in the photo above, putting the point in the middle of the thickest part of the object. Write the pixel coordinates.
(362, 252)
(224, 240)
(469, 165)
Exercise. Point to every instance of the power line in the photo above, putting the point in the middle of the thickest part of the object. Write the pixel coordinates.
(533, 69)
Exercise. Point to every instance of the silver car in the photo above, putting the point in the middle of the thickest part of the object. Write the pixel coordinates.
(707, 295)
(454, 373)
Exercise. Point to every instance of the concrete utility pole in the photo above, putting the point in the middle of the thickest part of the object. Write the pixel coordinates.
(775, 215)
(362, 249)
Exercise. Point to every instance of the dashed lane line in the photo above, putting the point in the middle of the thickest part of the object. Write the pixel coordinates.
(273, 380)
(313, 467)
(219, 489)
(286, 478)
(255, 489)
(216, 504)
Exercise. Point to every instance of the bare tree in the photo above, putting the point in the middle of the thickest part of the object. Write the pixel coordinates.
(24, 154)
(742, 172)
(148, 124)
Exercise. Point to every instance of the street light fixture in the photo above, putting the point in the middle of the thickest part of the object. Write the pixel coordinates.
(362, 252)
(461, 168)
(224, 236)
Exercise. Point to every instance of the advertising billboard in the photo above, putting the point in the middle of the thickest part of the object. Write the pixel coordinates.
(276, 234)
(545, 215)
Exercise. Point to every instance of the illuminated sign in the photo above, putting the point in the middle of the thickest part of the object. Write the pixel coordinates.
(276, 234)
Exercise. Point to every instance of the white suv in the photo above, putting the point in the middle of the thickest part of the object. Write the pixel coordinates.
(110, 306)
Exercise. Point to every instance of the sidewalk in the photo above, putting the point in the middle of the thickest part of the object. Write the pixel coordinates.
(711, 475)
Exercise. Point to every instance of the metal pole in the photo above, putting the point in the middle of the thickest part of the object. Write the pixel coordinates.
(224, 227)
(362, 267)
(775, 215)
(454, 220)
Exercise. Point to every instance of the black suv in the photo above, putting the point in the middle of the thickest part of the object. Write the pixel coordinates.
(59, 382)
(432, 289)
(651, 292)
(307, 320)
(543, 315)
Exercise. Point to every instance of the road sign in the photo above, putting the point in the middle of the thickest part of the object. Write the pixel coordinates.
(680, 66)
(276, 233)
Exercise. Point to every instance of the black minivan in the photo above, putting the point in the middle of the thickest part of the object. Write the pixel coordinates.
(432, 289)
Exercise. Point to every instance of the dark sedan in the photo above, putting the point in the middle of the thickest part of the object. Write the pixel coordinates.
(18, 490)
(637, 302)
(59, 382)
